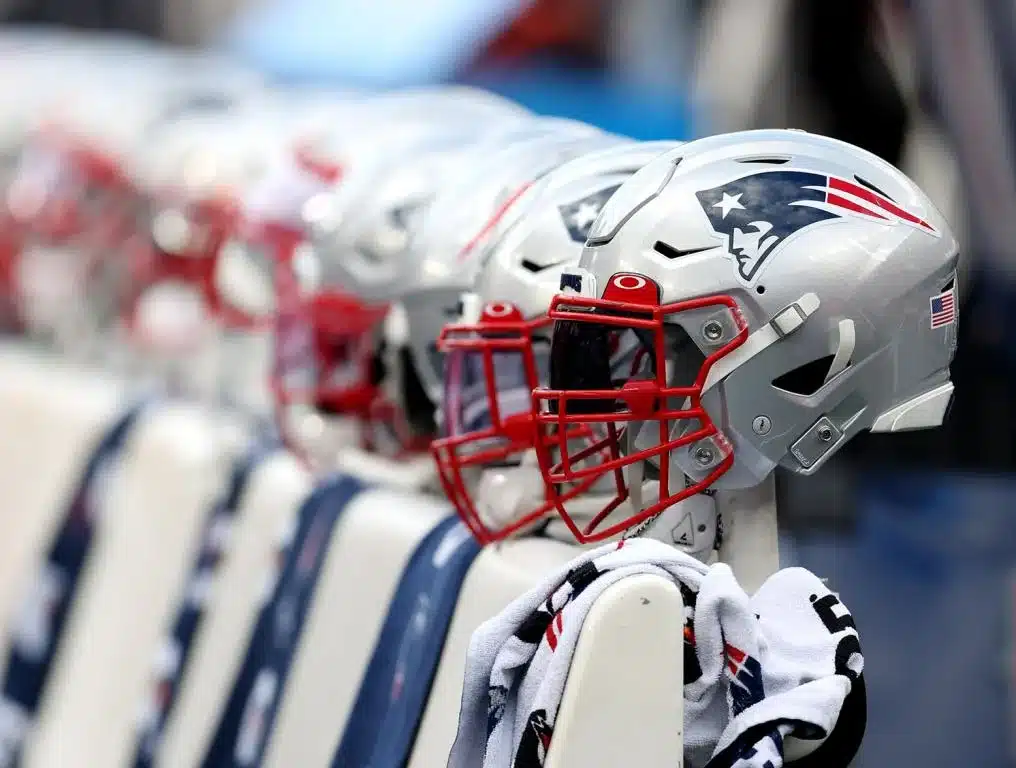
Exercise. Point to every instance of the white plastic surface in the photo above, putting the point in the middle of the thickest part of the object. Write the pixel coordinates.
(369, 549)
(51, 416)
(146, 541)
(624, 700)
(274, 493)
(751, 545)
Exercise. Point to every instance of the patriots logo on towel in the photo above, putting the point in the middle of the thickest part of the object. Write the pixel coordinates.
(579, 216)
(497, 696)
(745, 673)
(535, 741)
(757, 213)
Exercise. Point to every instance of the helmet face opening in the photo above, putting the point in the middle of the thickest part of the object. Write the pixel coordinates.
(179, 244)
(631, 371)
(324, 344)
(491, 369)
(63, 193)
(256, 272)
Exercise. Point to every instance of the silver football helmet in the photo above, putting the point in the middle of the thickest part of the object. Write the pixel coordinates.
(322, 189)
(73, 193)
(785, 291)
(446, 249)
(398, 420)
(497, 353)
(340, 191)
(441, 262)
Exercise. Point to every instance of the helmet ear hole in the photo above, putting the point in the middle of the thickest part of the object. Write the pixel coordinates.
(806, 379)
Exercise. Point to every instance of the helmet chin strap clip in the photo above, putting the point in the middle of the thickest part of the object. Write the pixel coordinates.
(690, 524)
(783, 323)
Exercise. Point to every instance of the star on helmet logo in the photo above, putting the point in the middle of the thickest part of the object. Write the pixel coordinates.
(756, 214)
(579, 216)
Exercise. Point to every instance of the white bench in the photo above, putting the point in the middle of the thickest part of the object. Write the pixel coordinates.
(633, 649)
(622, 703)
(274, 492)
(146, 541)
(51, 417)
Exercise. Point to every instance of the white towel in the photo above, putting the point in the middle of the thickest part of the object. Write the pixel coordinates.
(757, 669)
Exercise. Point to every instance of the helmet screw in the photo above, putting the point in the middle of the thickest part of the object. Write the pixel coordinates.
(825, 434)
(761, 425)
(704, 456)
(712, 330)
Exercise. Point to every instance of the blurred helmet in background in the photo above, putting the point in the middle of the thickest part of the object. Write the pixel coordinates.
(497, 351)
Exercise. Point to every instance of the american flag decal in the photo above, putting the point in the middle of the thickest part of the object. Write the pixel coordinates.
(943, 309)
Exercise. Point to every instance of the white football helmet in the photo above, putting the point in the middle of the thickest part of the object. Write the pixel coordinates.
(38, 70)
(446, 248)
(439, 263)
(296, 224)
(335, 164)
(72, 192)
(785, 291)
(498, 351)
(206, 165)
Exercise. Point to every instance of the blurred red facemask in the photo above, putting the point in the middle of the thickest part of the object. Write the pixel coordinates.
(325, 342)
(65, 192)
(182, 244)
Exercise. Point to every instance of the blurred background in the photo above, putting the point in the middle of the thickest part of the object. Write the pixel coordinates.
(917, 532)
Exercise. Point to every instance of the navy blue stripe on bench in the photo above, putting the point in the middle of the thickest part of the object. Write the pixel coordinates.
(385, 718)
(178, 643)
(249, 716)
(37, 630)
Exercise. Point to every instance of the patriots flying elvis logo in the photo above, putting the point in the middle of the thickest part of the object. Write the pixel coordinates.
(579, 215)
(757, 213)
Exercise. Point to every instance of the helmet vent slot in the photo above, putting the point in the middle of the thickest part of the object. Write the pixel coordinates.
(806, 379)
(765, 160)
(670, 252)
(532, 266)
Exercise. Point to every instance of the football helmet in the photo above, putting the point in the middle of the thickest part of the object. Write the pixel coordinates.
(497, 353)
(76, 165)
(445, 252)
(785, 291)
(395, 418)
(207, 160)
(72, 192)
(325, 375)
(318, 189)
(383, 269)
(39, 69)
(485, 179)
(195, 314)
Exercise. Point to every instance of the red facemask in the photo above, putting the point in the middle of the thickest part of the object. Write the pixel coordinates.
(205, 226)
(491, 368)
(638, 400)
